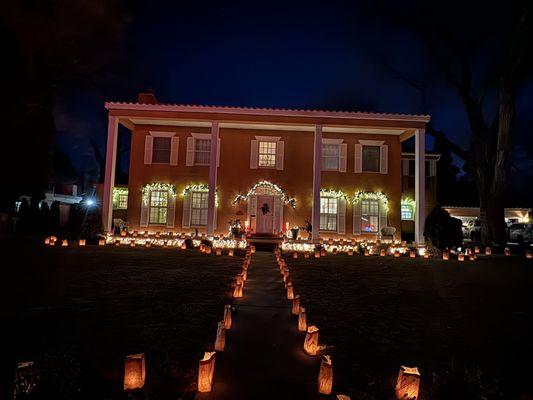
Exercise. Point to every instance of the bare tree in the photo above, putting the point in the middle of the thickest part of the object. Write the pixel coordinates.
(491, 131)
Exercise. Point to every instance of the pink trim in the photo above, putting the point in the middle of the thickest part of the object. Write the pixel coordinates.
(266, 111)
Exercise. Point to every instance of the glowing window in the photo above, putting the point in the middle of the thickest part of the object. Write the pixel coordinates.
(158, 207)
(267, 154)
(328, 214)
(370, 216)
(199, 208)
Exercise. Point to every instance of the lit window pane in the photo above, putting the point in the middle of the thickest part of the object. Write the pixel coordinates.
(328, 214)
(267, 154)
(199, 201)
(158, 207)
(370, 215)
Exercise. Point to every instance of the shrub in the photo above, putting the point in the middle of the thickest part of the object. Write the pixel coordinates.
(443, 230)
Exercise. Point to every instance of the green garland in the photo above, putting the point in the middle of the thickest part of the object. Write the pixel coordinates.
(380, 196)
(149, 187)
(337, 194)
(201, 187)
(117, 192)
(291, 201)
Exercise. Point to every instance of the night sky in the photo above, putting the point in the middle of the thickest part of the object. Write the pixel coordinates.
(329, 55)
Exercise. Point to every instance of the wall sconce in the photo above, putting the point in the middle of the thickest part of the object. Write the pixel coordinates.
(311, 340)
(325, 376)
(206, 369)
(134, 372)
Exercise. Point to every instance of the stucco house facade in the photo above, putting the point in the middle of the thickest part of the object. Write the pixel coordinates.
(198, 168)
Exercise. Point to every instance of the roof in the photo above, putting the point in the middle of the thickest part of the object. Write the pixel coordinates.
(265, 111)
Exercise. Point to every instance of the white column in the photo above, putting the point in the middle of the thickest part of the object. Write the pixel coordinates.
(211, 206)
(420, 185)
(109, 180)
(317, 170)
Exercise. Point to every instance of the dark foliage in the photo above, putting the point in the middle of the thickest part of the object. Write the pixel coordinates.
(443, 230)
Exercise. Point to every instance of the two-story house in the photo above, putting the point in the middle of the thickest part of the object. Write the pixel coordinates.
(199, 167)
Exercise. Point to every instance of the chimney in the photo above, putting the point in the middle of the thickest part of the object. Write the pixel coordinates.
(147, 98)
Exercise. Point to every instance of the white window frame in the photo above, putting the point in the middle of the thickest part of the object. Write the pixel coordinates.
(158, 207)
(383, 158)
(329, 215)
(369, 215)
(199, 209)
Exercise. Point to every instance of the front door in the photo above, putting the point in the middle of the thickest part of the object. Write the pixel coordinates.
(265, 214)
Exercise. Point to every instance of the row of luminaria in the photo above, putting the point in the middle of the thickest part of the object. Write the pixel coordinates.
(408, 382)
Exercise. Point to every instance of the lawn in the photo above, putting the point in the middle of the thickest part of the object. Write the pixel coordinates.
(466, 325)
(78, 311)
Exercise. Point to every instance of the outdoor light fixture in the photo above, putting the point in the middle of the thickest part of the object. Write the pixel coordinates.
(206, 370)
(81, 242)
(476, 249)
(412, 254)
(302, 320)
(101, 242)
(220, 341)
(445, 255)
(227, 316)
(488, 251)
(317, 254)
(382, 253)
(134, 372)
(325, 376)
(342, 397)
(461, 257)
(296, 305)
(311, 340)
(64, 243)
(408, 383)
(350, 252)
(90, 202)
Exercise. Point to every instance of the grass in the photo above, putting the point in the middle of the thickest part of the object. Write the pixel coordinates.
(466, 325)
(78, 311)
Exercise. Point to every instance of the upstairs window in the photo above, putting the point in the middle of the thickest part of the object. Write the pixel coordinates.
(328, 214)
(330, 157)
(202, 151)
(371, 158)
(161, 150)
(267, 154)
(158, 207)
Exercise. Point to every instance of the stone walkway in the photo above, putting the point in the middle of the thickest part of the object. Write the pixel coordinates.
(263, 358)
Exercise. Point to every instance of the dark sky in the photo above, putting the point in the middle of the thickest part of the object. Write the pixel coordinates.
(326, 55)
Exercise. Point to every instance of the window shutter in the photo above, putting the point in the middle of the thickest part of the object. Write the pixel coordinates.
(405, 167)
(343, 150)
(341, 215)
(278, 214)
(186, 215)
(382, 215)
(432, 168)
(144, 213)
(148, 149)
(174, 147)
(215, 219)
(218, 153)
(254, 154)
(171, 211)
(384, 159)
(280, 152)
(190, 152)
(357, 218)
(358, 168)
